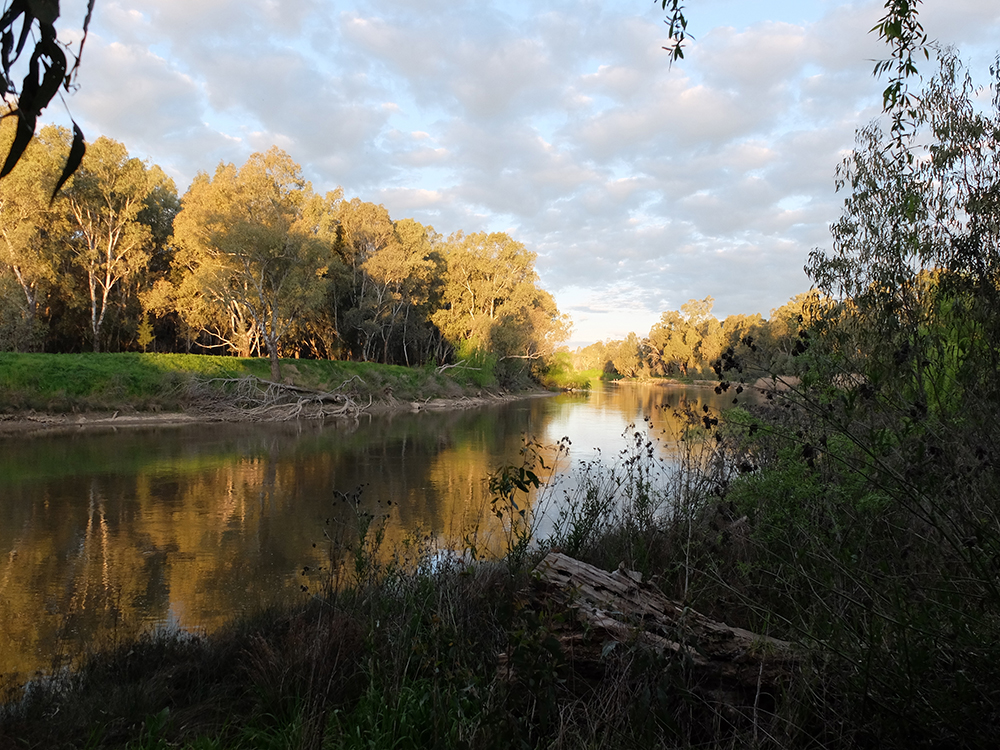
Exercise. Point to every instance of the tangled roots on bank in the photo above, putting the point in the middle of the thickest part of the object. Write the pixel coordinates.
(251, 398)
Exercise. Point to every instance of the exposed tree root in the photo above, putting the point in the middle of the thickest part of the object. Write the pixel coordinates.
(255, 399)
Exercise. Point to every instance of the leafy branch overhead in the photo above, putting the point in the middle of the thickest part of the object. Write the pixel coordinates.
(48, 73)
(677, 24)
(899, 28)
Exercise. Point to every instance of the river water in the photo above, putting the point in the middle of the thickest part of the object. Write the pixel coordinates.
(106, 533)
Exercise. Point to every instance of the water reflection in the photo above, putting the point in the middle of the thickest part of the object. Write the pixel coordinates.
(103, 533)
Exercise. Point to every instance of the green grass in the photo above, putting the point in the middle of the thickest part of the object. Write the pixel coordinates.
(129, 374)
(75, 382)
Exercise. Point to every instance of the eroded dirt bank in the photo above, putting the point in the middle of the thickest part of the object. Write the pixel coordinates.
(34, 423)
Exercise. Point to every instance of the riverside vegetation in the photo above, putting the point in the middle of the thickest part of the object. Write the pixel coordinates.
(855, 514)
(229, 387)
(250, 261)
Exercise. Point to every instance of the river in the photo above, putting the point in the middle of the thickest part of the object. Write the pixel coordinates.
(105, 533)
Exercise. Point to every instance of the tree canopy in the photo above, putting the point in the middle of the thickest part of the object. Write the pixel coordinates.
(27, 225)
(245, 239)
(491, 300)
(112, 243)
(250, 262)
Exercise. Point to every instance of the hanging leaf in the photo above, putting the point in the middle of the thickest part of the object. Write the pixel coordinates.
(47, 73)
(76, 152)
(16, 8)
(55, 72)
(6, 46)
(25, 131)
(25, 31)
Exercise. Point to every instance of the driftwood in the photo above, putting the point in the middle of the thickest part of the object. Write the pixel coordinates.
(256, 399)
(727, 666)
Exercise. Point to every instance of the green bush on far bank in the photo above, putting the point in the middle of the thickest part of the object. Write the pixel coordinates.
(558, 373)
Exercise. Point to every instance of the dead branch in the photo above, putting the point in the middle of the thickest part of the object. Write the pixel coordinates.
(460, 364)
(350, 380)
(727, 665)
(256, 399)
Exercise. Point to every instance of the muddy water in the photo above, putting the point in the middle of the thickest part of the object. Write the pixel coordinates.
(106, 533)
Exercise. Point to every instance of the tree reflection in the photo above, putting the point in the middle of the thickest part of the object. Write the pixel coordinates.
(105, 534)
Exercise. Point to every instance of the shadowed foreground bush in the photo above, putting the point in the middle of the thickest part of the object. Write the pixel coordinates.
(896, 627)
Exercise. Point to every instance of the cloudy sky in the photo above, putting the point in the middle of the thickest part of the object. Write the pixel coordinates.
(639, 184)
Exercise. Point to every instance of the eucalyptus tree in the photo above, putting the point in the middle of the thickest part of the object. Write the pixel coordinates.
(486, 273)
(367, 240)
(392, 268)
(407, 274)
(670, 341)
(318, 326)
(410, 273)
(110, 209)
(739, 328)
(915, 262)
(591, 357)
(249, 248)
(627, 355)
(491, 301)
(30, 231)
(686, 338)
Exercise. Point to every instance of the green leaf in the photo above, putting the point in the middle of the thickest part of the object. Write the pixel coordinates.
(25, 131)
(76, 152)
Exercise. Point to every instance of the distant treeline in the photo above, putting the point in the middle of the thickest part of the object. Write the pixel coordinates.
(691, 341)
(251, 262)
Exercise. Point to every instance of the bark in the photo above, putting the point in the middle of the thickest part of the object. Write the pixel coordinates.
(272, 351)
(727, 666)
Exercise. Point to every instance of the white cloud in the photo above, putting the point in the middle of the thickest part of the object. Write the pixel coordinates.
(640, 184)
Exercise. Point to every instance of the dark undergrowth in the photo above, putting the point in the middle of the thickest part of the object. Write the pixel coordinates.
(881, 570)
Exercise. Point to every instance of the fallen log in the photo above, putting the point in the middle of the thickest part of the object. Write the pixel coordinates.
(727, 666)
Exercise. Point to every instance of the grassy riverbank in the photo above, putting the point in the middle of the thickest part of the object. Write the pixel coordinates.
(63, 383)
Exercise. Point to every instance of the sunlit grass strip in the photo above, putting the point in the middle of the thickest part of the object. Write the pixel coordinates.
(59, 382)
(130, 374)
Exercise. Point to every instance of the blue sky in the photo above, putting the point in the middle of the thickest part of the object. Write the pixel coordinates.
(639, 184)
